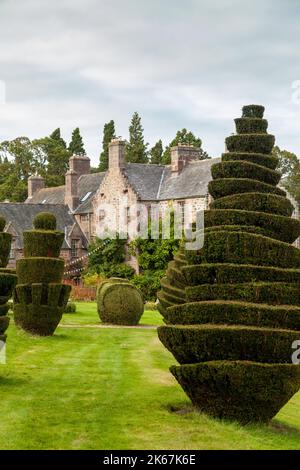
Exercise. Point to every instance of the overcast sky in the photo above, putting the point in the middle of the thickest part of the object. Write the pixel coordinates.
(179, 63)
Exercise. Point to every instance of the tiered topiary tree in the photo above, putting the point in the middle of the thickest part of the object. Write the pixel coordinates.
(8, 280)
(119, 302)
(232, 307)
(40, 298)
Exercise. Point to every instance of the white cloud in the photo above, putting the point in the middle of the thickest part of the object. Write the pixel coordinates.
(192, 64)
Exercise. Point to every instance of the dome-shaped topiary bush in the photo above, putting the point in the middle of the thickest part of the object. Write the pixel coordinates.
(40, 298)
(8, 280)
(232, 308)
(119, 302)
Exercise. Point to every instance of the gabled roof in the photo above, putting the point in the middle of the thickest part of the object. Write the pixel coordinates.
(150, 182)
(19, 217)
(192, 181)
(157, 182)
(87, 187)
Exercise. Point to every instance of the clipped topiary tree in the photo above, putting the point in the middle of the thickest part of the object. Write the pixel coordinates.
(40, 298)
(119, 302)
(232, 307)
(8, 280)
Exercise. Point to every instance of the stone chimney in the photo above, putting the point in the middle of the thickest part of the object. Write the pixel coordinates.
(71, 190)
(35, 183)
(81, 164)
(181, 155)
(116, 154)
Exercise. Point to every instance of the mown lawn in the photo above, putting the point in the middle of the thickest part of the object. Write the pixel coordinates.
(109, 388)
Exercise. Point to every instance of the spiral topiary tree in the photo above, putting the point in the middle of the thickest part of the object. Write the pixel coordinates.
(119, 302)
(40, 298)
(8, 280)
(232, 307)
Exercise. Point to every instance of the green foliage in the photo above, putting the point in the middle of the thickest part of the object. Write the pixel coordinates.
(136, 149)
(245, 248)
(2, 223)
(42, 243)
(234, 312)
(225, 273)
(76, 146)
(119, 302)
(70, 307)
(243, 169)
(53, 158)
(289, 167)
(262, 159)
(56, 135)
(39, 297)
(247, 125)
(44, 221)
(260, 202)
(109, 133)
(44, 268)
(156, 153)
(251, 391)
(200, 343)
(260, 143)
(5, 244)
(148, 283)
(227, 186)
(253, 111)
(258, 292)
(232, 307)
(276, 226)
(107, 258)
(183, 137)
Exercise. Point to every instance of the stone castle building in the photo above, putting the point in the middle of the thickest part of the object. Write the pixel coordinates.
(78, 205)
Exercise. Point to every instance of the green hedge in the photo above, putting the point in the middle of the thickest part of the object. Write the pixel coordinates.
(4, 322)
(119, 302)
(244, 169)
(253, 111)
(70, 308)
(201, 343)
(260, 202)
(264, 292)
(7, 283)
(38, 319)
(239, 390)
(175, 275)
(42, 243)
(52, 294)
(226, 273)
(40, 269)
(165, 303)
(269, 161)
(245, 248)
(45, 221)
(258, 143)
(250, 125)
(232, 312)
(5, 244)
(4, 309)
(227, 186)
(169, 289)
(2, 223)
(277, 226)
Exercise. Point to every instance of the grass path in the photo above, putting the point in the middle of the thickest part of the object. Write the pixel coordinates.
(109, 388)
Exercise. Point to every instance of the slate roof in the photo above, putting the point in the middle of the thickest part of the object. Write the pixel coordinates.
(157, 182)
(20, 217)
(150, 182)
(191, 182)
(86, 184)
